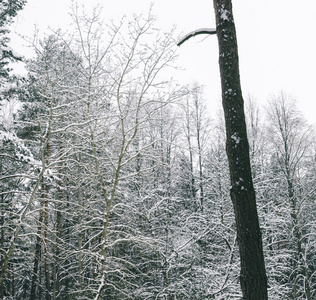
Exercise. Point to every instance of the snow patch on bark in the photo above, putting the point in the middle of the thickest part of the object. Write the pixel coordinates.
(236, 138)
(224, 13)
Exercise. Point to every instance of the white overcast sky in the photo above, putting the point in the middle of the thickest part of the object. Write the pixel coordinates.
(276, 39)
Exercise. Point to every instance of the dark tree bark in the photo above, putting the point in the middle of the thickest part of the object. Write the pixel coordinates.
(253, 275)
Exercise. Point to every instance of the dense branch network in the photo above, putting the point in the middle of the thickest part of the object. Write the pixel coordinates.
(114, 181)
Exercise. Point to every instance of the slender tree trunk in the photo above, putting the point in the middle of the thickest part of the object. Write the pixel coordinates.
(199, 148)
(192, 183)
(2, 242)
(56, 251)
(200, 171)
(253, 275)
(45, 227)
(188, 133)
(36, 257)
(46, 251)
(80, 235)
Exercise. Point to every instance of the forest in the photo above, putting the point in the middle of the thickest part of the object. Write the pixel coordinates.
(114, 180)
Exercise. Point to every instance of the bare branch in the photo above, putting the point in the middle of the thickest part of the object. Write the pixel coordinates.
(196, 32)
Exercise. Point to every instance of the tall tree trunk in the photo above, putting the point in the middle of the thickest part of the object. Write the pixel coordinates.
(253, 275)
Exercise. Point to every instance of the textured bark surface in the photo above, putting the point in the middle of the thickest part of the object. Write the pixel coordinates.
(253, 276)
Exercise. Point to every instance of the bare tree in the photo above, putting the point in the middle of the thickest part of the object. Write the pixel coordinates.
(291, 141)
(253, 275)
(253, 278)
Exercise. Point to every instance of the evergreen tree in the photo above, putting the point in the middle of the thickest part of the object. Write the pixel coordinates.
(8, 10)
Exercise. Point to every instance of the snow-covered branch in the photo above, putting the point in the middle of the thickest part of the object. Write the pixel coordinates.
(196, 32)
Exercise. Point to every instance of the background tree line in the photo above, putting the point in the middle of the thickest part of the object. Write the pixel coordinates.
(115, 184)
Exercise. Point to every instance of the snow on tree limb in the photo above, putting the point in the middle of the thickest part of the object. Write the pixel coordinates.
(196, 32)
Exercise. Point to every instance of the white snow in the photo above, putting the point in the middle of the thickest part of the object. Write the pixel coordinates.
(224, 13)
(229, 91)
(195, 32)
(235, 137)
(206, 29)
